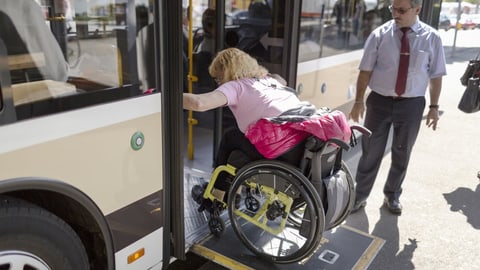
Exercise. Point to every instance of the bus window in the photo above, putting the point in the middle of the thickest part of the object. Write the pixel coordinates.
(331, 39)
(334, 27)
(256, 26)
(65, 54)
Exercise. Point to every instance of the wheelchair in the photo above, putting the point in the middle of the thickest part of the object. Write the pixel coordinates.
(280, 208)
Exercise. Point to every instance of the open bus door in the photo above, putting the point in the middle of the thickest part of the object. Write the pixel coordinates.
(168, 40)
(267, 30)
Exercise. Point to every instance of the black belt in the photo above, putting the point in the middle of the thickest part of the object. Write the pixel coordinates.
(395, 98)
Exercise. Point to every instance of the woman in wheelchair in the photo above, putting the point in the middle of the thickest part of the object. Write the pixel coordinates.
(250, 93)
(275, 171)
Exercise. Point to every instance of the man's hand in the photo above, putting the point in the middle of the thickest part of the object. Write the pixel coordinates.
(357, 111)
(432, 118)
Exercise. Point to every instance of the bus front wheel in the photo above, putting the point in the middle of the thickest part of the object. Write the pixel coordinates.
(33, 238)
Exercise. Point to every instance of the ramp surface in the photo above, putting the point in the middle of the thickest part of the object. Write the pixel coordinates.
(341, 248)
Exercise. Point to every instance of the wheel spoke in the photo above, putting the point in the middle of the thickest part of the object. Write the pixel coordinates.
(19, 260)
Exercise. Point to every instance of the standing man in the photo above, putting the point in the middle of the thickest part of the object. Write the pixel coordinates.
(401, 59)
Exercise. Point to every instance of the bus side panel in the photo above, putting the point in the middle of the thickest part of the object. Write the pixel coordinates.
(329, 82)
(93, 150)
(153, 251)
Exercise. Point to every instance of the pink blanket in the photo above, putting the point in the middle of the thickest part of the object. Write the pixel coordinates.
(273, 139)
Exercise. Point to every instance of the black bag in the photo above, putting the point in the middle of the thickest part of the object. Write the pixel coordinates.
(470, 101)
(472, 70)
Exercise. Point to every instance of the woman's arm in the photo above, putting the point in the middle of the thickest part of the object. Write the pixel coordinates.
(204, 102)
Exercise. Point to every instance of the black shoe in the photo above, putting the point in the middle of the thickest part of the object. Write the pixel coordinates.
(394, 206)
(198, 190)
(197, 193)
(358, 205)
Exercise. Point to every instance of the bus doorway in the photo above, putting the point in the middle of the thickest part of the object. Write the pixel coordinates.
(267, 30)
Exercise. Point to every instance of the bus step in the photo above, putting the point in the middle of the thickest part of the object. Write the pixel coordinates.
(195, 262)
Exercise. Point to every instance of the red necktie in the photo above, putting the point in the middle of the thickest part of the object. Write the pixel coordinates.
(403, 64)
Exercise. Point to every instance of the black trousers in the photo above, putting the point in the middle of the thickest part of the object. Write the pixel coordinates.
(233, 139)
(236, 150)
(405, 115)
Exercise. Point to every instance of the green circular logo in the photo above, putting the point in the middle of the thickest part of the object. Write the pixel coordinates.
(137, 140)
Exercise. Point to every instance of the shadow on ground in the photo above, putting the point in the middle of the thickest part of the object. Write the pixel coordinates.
(466, 202)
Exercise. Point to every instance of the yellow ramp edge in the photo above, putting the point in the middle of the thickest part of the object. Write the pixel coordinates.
(218, 258)
(370, 253)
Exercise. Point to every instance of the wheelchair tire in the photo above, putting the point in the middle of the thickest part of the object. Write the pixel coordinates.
(267, 232)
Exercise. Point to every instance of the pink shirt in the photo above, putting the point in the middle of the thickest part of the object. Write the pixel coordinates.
(251, 99)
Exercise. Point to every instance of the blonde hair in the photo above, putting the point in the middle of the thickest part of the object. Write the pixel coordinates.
(235, 64)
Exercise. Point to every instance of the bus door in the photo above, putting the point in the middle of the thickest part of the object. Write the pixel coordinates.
(267, 30)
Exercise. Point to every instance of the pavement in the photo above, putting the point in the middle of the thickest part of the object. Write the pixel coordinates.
(440, 224)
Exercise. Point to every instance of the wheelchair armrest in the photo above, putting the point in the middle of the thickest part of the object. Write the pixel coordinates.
(361, 129)
(314, 144)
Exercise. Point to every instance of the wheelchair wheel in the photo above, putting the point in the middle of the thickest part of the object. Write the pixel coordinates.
(297, 212)
(299, 207)
(276, 187)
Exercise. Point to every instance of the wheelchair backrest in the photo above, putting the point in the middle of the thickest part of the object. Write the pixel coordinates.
(320, 158)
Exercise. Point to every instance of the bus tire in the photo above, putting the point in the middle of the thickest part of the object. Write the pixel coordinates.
(33, 237)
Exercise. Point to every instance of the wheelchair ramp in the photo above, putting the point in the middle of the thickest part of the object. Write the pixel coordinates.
(196, 227)
(342, 248)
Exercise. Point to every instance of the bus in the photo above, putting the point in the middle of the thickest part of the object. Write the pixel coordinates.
(95, 161)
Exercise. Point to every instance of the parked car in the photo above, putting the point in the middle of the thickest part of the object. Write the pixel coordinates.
(444, 22)
(237, 17)
(476, 19)
(465, 22)
(453, 20)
